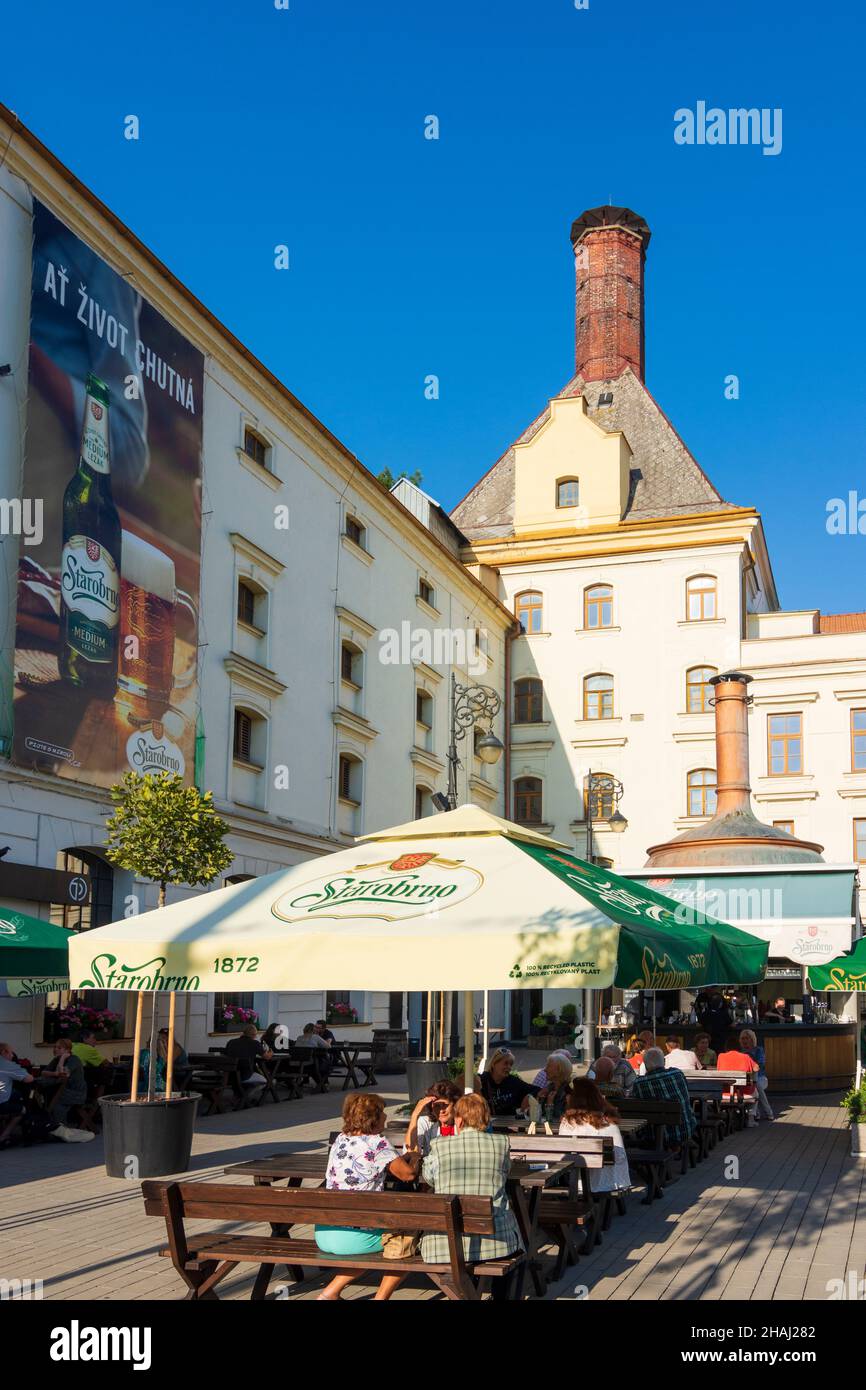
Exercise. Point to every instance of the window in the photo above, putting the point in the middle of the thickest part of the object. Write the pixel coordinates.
(600, 801)
(349, 778)
(424, 709)
(598, 697)
(351, 664)
(527, 800)
(785, 740)
(243, 740)
(860, 841)
(426, 592)
(246, 604)
(568, 492)
(702, 791)
(528, 701)
(231, 1002)
(423, 805)
(528, 610)
(700, 598)
(698, 688)
(786, 825)
(355, 531)
(255, 447)
(598, 606)
(858, 740)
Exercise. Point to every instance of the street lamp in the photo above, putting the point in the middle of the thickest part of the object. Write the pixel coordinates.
(605, 785)
(469, 705)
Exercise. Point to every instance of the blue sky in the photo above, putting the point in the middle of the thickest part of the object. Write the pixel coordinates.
(410, 256)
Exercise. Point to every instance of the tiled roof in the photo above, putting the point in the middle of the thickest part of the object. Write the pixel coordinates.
(842, 622)
(665, 479)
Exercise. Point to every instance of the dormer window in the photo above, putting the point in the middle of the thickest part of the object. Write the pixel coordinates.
(568, 492)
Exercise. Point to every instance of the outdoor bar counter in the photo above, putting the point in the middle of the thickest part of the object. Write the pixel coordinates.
(800, 1056)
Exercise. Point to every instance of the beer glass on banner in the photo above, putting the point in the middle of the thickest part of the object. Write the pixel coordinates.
(149, 601)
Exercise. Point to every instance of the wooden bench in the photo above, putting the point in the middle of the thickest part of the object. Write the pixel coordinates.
(563, 1211)
(654, 1160)
(203, 1260)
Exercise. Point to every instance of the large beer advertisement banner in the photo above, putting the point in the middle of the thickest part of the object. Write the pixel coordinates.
(107, 615)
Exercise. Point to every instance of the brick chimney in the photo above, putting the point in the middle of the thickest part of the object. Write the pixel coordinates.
(609, 251)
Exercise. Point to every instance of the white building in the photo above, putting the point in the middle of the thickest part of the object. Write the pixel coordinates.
(325, 645)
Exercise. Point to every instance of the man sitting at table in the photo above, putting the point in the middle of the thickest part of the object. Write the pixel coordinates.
(98, 1071)
(324, 1032)
(67, 1069)
(246, 1050)
(667, 1083)
(504, 1092)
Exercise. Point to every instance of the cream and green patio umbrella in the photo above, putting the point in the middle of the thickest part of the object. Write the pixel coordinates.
(846, 973)
(462, 900)
(34, 955)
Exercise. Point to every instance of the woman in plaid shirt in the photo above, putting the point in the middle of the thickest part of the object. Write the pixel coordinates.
(476, 1164)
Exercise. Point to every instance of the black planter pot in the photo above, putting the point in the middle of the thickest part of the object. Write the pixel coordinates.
(420, 1075)
(157, 1136)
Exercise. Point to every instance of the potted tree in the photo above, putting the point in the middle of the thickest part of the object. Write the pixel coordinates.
(168, 832)
(855, 1103)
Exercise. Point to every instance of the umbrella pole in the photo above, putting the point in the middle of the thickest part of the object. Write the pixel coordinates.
(485, 1036)
(169, 1061)
(427, 1056)
(468, 1044)
(151, 1071)
(136, 1046)
(441, 1024)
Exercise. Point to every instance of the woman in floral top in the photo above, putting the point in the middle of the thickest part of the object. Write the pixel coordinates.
(358, 1162)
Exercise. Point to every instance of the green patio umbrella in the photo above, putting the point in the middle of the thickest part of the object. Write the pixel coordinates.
(656, 949)
(34, 955)
(846, 972)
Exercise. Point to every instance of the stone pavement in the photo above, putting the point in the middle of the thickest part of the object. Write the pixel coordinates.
(773, 1213)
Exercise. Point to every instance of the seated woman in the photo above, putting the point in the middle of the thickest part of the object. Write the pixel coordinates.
(540, 1077)
(553, 1095)
(433, 1117)
(181, 1060)
(64, 1066)
(473, 1163)
(589, 1115)
(503, 1091)
(359, 1160)
(704, 1053)
(634, 1050)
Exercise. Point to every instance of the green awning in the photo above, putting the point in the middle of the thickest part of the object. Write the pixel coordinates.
(31, 947)
(846, 972)
(657, 950)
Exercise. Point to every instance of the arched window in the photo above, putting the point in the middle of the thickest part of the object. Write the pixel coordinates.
(598, 696)
(701, 594)
(528, 700)
(528, 609)
(600, 801)
(527, 801)
(598, 606)
(702, 791)
(567, 492)
(698, 688)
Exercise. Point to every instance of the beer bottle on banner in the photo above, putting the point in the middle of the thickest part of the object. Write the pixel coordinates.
(90, 563)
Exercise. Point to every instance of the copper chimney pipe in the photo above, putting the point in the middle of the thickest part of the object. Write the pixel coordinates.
(731, 703)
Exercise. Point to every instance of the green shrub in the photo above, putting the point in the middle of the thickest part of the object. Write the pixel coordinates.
(855, 1103)
(568, 1014)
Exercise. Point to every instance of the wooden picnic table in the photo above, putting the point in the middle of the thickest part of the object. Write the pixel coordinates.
(290, 1071)
(349, 1053)
(526, 1182)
